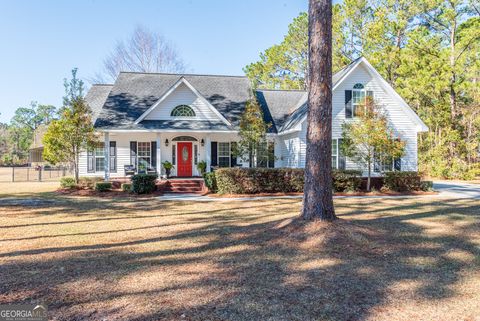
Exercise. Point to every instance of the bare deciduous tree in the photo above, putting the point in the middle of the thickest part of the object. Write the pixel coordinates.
(318, 198)
(144, 51)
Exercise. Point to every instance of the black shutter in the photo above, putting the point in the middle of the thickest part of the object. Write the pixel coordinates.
(91, 160)
(376, 164)
(113, 157)
(213, 154)
(397, 164)
(342, 160)
(271, 154)
(154, 155)
(133, 154)
(348, 104)
(233, 157)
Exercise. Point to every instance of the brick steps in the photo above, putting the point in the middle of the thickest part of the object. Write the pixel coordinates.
(183, 186)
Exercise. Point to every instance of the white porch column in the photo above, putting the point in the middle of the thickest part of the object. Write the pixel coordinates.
(208, 152)
(159, 154)
(107, 155)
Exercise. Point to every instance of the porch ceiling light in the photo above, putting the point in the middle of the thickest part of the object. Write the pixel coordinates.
(202, 142)
(166, 142)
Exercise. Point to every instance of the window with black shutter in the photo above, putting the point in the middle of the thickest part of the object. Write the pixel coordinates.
(397, 164)
(213, 154)
(348, 104)
(342, 160)
(233, 157)
(113, 157)
(133, 154)
(271, 154)
(153, 163)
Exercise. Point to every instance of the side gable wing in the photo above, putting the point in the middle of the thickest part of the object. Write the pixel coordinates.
(299, 116)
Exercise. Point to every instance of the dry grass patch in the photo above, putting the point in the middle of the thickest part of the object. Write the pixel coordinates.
(391, 259)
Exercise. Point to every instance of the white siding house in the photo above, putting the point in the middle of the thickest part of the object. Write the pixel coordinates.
(145, 119)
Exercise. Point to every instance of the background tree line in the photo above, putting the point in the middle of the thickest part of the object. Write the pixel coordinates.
(428, 50)
(17, 136)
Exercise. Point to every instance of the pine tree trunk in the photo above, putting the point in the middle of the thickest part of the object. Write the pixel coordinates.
(318, 198)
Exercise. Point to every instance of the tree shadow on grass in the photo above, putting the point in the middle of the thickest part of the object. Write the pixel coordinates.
(239, 265)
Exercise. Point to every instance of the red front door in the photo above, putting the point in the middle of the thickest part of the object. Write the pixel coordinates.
(184, 157)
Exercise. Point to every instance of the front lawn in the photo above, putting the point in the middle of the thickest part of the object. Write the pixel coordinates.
(386, 259)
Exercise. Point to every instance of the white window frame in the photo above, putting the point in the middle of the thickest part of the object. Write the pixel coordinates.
(335, 154)
(99, 153)
(355, 105)
(229, 154)
(143, 157)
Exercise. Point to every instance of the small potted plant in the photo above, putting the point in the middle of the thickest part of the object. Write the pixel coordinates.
(202, 167)
(168, 167)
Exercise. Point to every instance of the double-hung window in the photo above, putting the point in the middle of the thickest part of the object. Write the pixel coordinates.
(224, 154)
(339, 160)
(334, 153)
(358, 99)
(144, 154)
(100, 157)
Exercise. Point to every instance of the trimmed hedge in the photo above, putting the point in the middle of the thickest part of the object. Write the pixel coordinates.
(210, 181)
(68, 182)
(273, 180)
(126, 187)
(103, 186)
(144, 183)
(258, 180)
(240, 180)
(404, 181)
(346, 180)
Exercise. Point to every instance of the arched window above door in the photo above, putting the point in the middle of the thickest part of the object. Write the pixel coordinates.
(184, 139)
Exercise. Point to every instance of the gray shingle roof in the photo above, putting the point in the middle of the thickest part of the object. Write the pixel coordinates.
(134, 93)
(277, 105)
(96, 97)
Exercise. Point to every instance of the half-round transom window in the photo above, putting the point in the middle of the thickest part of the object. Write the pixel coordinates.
(358, 86)
(182, 111)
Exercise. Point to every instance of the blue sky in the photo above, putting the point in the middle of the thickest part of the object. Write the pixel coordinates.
(43, 40)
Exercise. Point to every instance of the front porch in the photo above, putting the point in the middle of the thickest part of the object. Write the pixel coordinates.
(122, 154)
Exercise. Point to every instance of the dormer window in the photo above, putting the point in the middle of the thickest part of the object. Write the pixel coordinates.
(355, 100)
(182, 111)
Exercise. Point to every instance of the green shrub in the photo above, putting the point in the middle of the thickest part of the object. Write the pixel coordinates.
(89, 182)
(103, 186)
(68, 182)
(258, 180)
(144, 183)
(127, 187)
(210, 181)
(426, 186)
(403, 181)
(346, 180)
(202, 167)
